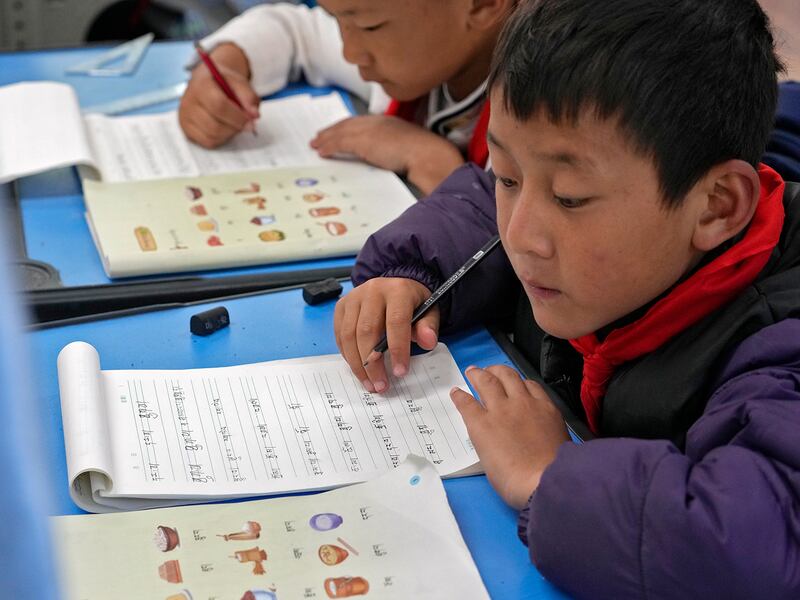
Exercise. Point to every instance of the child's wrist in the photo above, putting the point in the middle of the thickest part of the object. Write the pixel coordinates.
(427, 169)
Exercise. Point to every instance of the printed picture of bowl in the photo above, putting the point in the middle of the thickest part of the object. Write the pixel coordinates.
(170, 571)
(260, 595)
(263, 220)
(305, 182)
(325, 521)
(344, 587)
(192, 193)
(250, 189)
(323, 211)
(183, 595)
(166, 538)
(331, 554)
(145, 239)
(335, 228)
(199, 210)
(272, 235)
(313, 196)
(214, 241)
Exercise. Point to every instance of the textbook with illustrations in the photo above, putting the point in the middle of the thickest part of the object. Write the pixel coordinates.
(247, 218)
(147, 438)
(394, 537)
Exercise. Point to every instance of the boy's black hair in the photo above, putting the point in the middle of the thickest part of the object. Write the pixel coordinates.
(692, 82)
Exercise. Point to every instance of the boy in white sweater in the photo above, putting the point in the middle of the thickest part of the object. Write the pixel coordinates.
(424, 62)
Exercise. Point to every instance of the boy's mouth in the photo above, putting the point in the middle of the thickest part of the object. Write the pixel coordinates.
(538, 291)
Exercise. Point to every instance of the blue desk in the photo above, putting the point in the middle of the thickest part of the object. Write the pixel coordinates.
(52, 203)
(269, 327)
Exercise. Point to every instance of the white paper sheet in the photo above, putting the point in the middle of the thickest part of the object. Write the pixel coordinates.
(40, 128)
(256, 429)
(154, 147)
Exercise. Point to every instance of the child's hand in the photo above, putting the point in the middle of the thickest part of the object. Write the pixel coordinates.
(383, 304)
(516, 432)
(206, 115)
(391, 143)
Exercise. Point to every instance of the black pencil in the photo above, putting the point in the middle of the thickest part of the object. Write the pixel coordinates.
(423, 308)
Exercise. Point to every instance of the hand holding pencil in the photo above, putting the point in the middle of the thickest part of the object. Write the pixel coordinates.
(219, 101)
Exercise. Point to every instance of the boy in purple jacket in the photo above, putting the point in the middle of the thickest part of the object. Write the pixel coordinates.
(660, 265)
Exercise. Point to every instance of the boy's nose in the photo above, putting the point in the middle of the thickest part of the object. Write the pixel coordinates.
(528, 232)
(353, 50)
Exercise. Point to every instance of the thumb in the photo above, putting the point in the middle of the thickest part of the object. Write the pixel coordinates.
(467, 405)
(247, 95)
(426, 330)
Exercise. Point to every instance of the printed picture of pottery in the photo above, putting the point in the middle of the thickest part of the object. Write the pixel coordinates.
(345, 587)
(335, 228)
(145, 239)
(331, 554)
(323, 211)
(250, 531)
(272, 235)
(313, 196)
(258, 201)
(254, 555)
(182, 595)
(166, 538)
(260, 595)
(199, 210)
(253, 188)
(170, 571)
(214, 240)
(263, 220)
(305, 182)
(325, 521)
(192, 193)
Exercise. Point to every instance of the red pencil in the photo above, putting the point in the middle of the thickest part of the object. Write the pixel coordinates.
(223, 85)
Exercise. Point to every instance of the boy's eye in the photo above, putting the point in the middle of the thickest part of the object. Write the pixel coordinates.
(570, 202)
(506, 182)
(373, 27)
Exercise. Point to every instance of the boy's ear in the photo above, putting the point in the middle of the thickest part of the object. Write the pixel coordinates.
(485, 14)
(727, 198)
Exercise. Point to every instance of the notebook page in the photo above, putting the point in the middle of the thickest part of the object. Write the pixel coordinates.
(153, 146)
(41, 129)
(275, 427)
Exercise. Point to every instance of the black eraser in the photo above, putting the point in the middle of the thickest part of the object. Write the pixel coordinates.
(206, 323)
(319, 291)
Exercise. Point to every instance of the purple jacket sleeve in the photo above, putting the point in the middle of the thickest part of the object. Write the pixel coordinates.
(625, 518)
(433, 238)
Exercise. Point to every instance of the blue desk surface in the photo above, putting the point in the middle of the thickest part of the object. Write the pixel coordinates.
(52, 203)
(269, 327)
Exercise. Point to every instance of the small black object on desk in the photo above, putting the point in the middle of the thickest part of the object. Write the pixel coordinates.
(319, 291)
(206, 323)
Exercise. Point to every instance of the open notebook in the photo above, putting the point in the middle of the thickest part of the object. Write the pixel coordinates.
(393, 538)
(43, 128)
(139, 439)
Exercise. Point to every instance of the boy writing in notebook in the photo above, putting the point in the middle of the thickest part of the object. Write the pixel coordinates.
(421, 66)
(657, 286)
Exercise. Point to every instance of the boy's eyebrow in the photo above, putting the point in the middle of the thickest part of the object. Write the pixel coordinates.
(560, 157)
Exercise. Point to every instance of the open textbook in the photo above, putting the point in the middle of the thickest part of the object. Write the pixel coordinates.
(393, 537)
(238, 219)
(139, 439)
(43, 128)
